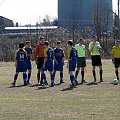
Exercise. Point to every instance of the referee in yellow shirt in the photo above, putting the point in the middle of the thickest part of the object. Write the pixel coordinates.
(94, 48)
(116, 57)
(81, 61)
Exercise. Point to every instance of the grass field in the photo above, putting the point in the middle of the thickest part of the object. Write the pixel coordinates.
(99, 101)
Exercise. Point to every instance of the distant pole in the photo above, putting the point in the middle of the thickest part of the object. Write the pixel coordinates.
(118, 18)
(118, 9)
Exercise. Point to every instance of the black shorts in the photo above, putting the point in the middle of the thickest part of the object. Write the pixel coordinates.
(40, 61)
(117, 62)
(81, 62)
(96, 60)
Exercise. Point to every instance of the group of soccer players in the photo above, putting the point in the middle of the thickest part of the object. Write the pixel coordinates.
(52, 60)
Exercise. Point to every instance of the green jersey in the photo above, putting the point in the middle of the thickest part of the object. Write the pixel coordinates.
(94, 48)
(80, 50)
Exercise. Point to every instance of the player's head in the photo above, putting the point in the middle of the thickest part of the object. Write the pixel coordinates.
(28, 44)
(21, 45)
(41, 39)
(58, 44)
(117, 42)
(81, 40)
(94, 38)
(46, 44)
(70, 43)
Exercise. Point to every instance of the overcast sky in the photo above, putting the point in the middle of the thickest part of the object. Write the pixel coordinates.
(31, 11)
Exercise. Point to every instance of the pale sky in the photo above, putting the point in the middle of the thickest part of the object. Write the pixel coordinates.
(31, 11)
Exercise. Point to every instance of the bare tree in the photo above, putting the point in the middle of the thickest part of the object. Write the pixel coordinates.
(100, 17)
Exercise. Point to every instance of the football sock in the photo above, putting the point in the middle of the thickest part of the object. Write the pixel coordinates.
(94, 75)
(117, 74)
(25, 78)
(41, 79)
(29, 75)
(72, 78)
(38, 77)
(76, 73)
(44, 76)
(15, 78)
(82, 74)
(54, 74)
(61, 75)
(52, 78)
(100, 74)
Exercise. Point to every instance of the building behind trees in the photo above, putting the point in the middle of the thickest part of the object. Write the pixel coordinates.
(78, 14)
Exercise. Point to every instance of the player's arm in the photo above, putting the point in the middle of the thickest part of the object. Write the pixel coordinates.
(63, 57)
(112, 55)
(69, 51)
(91, 47)
(15, 59)
(45, 58)
(36, 53)
(31, 52)
(55, 58)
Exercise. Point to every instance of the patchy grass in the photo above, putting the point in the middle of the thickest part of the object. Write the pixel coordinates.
(99, 101)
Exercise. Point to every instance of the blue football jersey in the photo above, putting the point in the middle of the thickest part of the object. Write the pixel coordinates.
(73, 54)
(29, 52)
(21, 55)
(49, 53)
(58, 54)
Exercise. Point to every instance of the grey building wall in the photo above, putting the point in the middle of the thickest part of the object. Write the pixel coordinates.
(79, 13)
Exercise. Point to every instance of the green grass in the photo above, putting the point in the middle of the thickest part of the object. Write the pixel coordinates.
(86, 102)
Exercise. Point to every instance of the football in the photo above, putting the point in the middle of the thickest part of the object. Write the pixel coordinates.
(115, 82)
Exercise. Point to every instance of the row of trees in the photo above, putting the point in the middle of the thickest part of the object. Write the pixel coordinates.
(8, 44)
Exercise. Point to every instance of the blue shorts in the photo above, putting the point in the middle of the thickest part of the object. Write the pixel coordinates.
(72, 65)
(49, 66)
(21, 67)
(58, 67)
(29, 66)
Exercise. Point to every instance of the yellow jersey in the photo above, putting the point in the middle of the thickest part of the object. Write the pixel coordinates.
(116, 51)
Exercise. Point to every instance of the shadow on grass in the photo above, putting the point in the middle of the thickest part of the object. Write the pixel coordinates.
(66, 89)
(92, 83)
(59, 84)
(42, 87)
(35, 85)
(17, 86)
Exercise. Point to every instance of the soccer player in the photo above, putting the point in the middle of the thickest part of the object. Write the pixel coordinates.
(39, 59)
(28, 49)
(81, 61)
(116, 57)
(94, 48)
(72, 60)
(59, 60)
(20, 64)
(48, 61)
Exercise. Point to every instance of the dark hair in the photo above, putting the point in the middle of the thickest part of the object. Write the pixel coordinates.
(46, 43)
(21, 45)
(81, 39)
(28, 42)
(70, 42)
(94, 36)
(117, 41)
(41, 38)
(58, 42)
